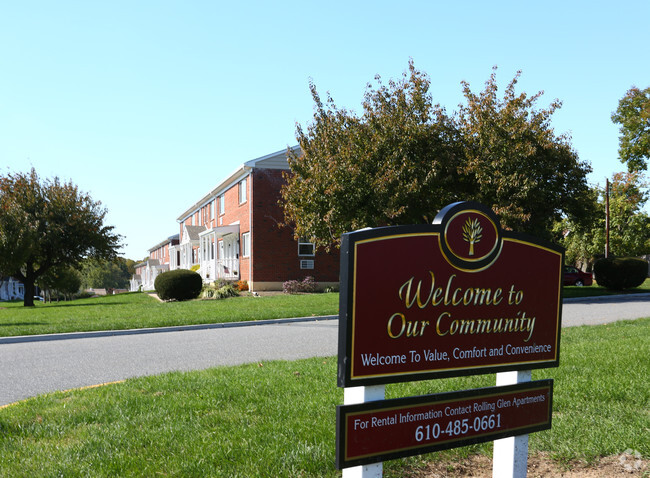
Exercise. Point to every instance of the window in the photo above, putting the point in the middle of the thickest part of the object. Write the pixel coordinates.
(222, 204)
(305, 248)
(212, 208)
(242, 191)
(246, 244)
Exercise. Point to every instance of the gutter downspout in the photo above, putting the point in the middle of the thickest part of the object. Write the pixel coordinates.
(250, 226)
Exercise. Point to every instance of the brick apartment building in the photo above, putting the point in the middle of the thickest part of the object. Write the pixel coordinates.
(157, 262)
(234, 232)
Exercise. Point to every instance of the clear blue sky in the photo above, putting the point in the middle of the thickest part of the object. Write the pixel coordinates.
(147, 105)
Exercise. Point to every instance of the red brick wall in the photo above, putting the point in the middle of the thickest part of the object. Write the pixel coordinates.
(274, 250)
(234, 211)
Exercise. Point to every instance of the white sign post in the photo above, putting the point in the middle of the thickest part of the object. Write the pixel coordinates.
(510, 455)
(351, 396)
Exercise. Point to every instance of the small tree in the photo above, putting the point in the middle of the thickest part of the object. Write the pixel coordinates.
(633, 114)
(46, 225)
(629, 223)
(105, 274)
(63, 280)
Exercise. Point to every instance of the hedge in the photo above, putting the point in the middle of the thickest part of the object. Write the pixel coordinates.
(621, 272)
(179, 284)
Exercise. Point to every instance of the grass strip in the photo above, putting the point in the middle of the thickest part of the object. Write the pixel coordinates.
(595, 290)
(139, 310)
(277, 418)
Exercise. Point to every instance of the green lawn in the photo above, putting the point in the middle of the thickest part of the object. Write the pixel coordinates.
(138, 310)
(596, 290)
(278, 418)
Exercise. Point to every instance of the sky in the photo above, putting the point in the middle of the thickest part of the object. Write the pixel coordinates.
(147, 105)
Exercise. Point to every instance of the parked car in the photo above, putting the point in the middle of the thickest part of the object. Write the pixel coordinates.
(574, 276)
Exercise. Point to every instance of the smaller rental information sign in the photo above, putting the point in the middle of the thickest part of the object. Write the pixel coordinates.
(458, 297)
(387, 429)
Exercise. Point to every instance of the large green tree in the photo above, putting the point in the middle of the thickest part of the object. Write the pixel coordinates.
(633, 116)
(397, 163)
(404, 158)
(516, 163)
(48, 224)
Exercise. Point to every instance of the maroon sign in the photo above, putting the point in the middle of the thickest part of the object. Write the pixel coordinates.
(457, 297)
(387, 429)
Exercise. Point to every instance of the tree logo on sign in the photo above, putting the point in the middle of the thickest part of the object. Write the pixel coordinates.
(469, 224)
(472, 233)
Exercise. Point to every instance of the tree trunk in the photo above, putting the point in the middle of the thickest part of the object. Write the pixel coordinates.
(29, 293)
(29, 281)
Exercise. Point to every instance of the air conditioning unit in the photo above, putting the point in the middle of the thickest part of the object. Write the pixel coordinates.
(306, 263)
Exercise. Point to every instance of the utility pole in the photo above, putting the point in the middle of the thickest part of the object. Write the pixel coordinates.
(606, 217)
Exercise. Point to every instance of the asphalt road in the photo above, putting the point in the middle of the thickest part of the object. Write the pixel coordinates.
(35, 365)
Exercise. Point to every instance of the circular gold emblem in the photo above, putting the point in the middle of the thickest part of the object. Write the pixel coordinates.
(471, 235)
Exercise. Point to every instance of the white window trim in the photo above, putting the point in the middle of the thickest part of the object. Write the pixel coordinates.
(246, 244)
(302, 242)
(243, 192)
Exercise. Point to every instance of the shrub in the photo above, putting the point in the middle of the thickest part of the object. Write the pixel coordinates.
(241, 285)
(620, 273)
(226, 291)
(219, 290)
(309, 284)
(291, 287)
(294, 287)
(219, 283)
(179, 284)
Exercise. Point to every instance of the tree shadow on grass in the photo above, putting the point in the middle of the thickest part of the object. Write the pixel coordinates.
(63, 304)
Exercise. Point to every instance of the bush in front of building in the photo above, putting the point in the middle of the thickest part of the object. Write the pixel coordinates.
(219, 290)
(241, 285)
(179, 284)
(621, 272)
(307, 285)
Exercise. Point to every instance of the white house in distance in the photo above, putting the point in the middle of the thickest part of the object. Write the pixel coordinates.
(11, 289)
